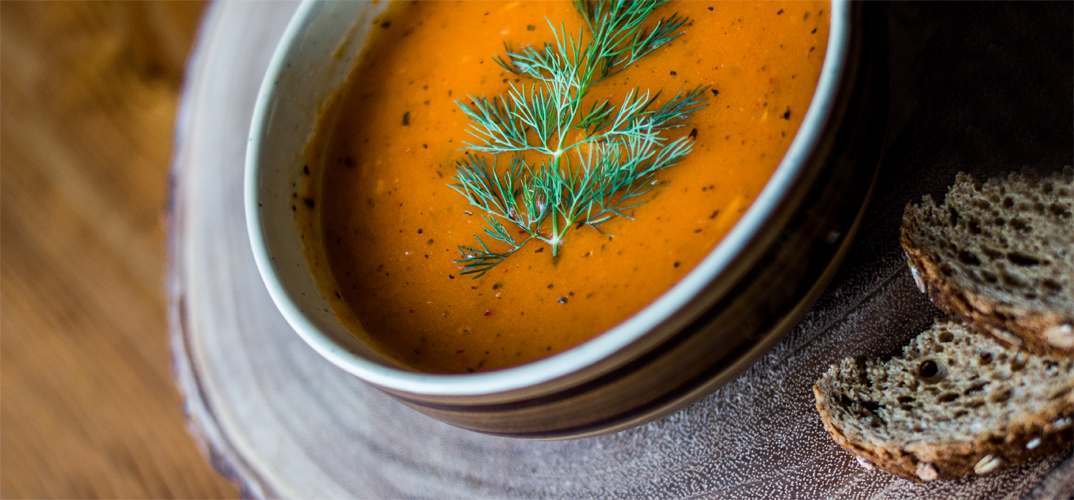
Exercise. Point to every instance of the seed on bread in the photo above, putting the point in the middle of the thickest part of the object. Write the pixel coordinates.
(987, 464)
(1000, 255)
(1060, 336)
(954, 403)
(926, 472)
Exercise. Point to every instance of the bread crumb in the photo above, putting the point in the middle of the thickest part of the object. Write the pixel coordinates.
(863, 463)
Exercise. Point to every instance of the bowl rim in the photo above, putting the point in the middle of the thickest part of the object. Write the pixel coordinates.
(587, 353)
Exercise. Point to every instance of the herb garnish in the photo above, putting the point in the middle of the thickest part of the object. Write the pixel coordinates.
(570, 167)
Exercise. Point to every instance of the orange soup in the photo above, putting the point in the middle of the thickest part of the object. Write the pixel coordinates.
(389, 225)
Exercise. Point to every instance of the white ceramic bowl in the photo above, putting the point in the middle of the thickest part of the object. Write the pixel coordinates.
(317, 52)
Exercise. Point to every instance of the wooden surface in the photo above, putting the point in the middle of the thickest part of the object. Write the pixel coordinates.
(88, 406)
(284, 422)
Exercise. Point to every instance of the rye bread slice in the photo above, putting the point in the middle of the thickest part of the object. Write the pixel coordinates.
(954, 403)
(1000, 255)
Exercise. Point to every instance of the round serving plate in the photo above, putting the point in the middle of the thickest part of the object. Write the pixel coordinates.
(284, 422)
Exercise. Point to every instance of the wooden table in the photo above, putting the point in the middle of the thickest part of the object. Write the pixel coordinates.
(284, 422)
(89, 408)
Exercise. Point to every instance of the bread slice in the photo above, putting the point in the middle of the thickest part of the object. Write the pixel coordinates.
(955, 403)
(1000, 255)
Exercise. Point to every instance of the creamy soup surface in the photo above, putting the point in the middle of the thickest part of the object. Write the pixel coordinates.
(389, 225)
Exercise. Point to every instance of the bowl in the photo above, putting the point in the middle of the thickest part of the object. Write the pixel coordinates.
(750, 289)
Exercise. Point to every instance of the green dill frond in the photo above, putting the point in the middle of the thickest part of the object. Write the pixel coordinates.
(477, 261)
(647, 40)
(677, 110)
(552, 63)
(597, 117)
(619, 36)
(617, 152)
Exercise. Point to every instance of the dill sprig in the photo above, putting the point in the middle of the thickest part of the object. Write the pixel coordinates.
(569, 166)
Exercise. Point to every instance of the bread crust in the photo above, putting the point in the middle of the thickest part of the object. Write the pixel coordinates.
(1027, 329)
(1035, 435)
(1039, 427)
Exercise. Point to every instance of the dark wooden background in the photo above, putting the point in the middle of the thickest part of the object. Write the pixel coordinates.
(87, 106)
